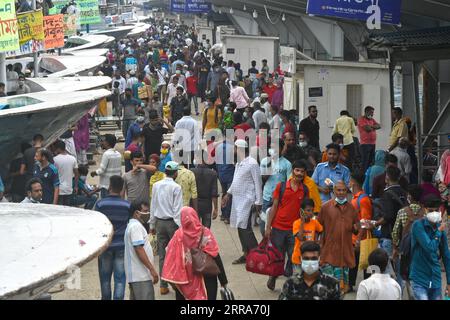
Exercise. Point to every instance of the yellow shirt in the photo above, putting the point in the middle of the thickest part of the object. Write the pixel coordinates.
(157, 176)
(345, 126)
(399, 130)
(186, 179)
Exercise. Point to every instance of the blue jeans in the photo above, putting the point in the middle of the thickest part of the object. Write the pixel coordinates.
(88, 202)
(422, 293)
(109, 262)
(386, 244)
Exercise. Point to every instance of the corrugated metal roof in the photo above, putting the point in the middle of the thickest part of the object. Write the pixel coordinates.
(422, 38)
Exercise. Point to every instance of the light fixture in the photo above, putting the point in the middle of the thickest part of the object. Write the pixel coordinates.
(245, 7)
(255, 14)
(220, 11)
(283, 18)
(231, 11)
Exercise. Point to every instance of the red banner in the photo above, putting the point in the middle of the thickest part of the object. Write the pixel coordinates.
(54, 31)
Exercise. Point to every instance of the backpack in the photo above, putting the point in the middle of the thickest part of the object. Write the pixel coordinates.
(405, 242)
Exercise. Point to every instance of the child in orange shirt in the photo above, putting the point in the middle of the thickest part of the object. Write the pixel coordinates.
(307, 228)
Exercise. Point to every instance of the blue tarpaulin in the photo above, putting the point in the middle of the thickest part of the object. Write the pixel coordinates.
(356, 9)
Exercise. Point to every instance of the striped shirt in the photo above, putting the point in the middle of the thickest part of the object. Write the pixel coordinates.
(111, 165)
(117, 211)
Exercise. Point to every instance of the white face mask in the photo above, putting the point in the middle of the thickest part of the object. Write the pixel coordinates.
(434, 217)
(245, 115)
(341, 145)
(271, 152)
(310, 266)
(303, 144)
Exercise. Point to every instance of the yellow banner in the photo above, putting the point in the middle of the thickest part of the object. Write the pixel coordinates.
(31, 26)
(9, 38)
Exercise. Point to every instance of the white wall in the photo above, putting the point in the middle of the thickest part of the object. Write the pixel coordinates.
(208, 31)
(334, 81)
(248, 48)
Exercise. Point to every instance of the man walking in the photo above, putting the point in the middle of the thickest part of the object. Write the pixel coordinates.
(110, 165)
(246, 190)
(111, 262)
(140, 271)
(287, 201)
(208, 205)
(167, 201)
(340, 221)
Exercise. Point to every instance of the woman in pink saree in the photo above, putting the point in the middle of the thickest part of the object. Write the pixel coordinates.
(178, 268)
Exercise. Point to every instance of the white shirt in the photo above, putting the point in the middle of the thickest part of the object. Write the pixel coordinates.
(404, 161)
(266, 107)
(167, 201)
(135, 236)
(161, 76)
(259, 117)
(171, 92)
(246, 190)
(231, 73)
(187, 134)
(111, 165)
(65, 164)
(379, 287)
(131, 82)
(275, 122)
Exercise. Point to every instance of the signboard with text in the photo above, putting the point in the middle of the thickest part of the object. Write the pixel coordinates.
(357, 9)
(190, 6)
(30, 26)
(54, 31)
(9, 31)
(87, 11)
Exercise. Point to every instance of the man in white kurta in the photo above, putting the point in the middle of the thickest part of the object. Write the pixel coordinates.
(246, 190)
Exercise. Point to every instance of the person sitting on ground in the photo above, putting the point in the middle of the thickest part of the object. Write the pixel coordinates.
(380, 285)
(311, 284)
(86, 194)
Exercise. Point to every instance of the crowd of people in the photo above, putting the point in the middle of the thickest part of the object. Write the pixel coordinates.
(316, 206)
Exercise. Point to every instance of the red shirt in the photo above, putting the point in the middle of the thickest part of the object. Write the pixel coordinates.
(289, 209)
(191, 83)
(270, 90)
(367, 137)
(244, 126)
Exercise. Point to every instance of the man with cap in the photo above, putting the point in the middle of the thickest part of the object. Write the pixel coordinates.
(132, 80)
(246, 190)
(167, 201)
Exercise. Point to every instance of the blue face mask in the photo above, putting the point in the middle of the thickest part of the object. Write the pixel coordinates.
(341, 201)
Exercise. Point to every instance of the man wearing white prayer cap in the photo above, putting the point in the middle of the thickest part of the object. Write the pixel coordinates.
(246, 190)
